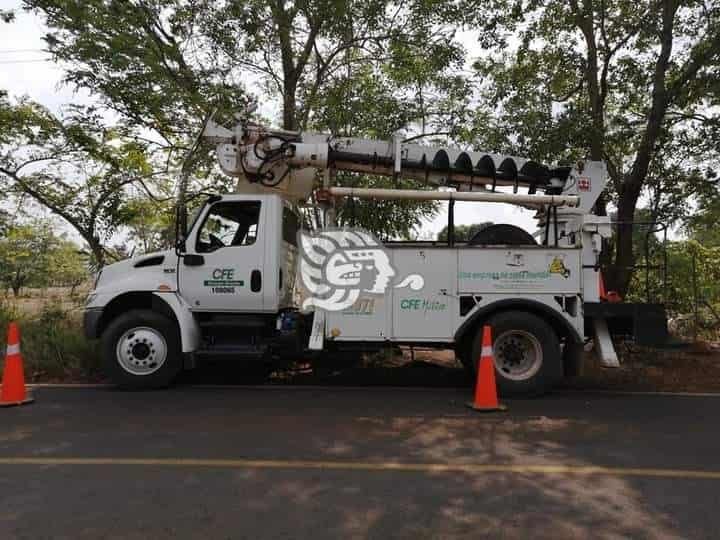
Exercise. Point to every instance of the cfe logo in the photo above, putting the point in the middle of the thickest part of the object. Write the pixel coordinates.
(223, 273)
(223, 281)
(337, 265)
(420, 304)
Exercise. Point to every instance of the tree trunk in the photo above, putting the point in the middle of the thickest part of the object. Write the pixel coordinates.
(97, 251)
(621, 271)
(584, 19)
(17, 283)
(289, 104)
(182, 213)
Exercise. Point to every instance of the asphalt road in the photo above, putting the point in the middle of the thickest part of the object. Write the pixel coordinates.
(347, 463)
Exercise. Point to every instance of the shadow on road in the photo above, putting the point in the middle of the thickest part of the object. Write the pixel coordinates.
(340, 426)
(438, 371)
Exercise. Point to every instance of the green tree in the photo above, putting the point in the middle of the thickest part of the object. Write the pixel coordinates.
(693, 284)
(73, 165)
(303, 50)
(386, 219)
(701, 223)
(68, 266)
(24, 256)
(463, 233)
(163, 65)
(144, 60)
(147, 61)
(149, 224)
(628, 82)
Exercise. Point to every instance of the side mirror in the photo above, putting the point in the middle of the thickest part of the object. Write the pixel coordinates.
(191, 259)
(180, 246)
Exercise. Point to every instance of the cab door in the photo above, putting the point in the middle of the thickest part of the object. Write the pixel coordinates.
(222, 269)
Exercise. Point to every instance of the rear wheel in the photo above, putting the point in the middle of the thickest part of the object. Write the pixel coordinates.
(527, 353)
(141, 349)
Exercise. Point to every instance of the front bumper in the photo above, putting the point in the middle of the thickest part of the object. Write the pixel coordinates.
(91, 322)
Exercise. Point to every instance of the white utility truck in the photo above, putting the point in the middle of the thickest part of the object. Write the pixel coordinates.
(229, 288)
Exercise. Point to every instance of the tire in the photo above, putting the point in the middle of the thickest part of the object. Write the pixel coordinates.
(527, 354)
(141, 350)
(502, 234)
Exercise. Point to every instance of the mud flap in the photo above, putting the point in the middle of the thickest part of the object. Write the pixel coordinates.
(604, 348)
(317, 336)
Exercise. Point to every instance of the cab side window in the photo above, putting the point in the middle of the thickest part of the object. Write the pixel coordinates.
(231, 223)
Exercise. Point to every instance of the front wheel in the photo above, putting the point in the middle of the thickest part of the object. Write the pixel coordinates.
(527, 353)
(141, 350)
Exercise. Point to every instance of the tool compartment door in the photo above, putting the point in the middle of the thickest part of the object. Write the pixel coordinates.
(425, 314)
(522, 270)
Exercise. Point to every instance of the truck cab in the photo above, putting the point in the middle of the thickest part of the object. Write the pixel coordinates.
(222, 291)
(239, 255)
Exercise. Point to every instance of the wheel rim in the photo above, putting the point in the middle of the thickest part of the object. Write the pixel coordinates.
(141, 350)
(518, 354)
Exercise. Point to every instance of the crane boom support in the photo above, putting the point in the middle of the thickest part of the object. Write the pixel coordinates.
(476, 196)
(286, 161)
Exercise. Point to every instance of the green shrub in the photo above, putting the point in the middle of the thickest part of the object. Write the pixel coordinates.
(52, 343)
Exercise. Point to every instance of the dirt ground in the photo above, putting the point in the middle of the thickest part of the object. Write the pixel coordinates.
(696, 369)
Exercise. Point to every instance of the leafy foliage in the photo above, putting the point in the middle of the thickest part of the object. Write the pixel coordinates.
(632, 83)
(701, 222)
(68, 266)
(31, 255)
(463, 233)
(24, 256)
(144, 60)
(74, 165)
(691, 292)
(149, 224)
(351, 67)
(386, 219)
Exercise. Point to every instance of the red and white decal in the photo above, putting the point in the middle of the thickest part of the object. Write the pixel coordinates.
(584, 184)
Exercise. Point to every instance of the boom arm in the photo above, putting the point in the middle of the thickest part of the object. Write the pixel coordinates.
(266, 159)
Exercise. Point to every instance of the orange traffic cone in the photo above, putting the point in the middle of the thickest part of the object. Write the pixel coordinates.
(601, 288)
(608, 296)
(486, 399)
(13, 390)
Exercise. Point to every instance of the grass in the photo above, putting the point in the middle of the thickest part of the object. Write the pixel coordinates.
(52, 341)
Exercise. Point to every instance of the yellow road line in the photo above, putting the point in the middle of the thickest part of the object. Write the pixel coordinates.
(367, 466)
